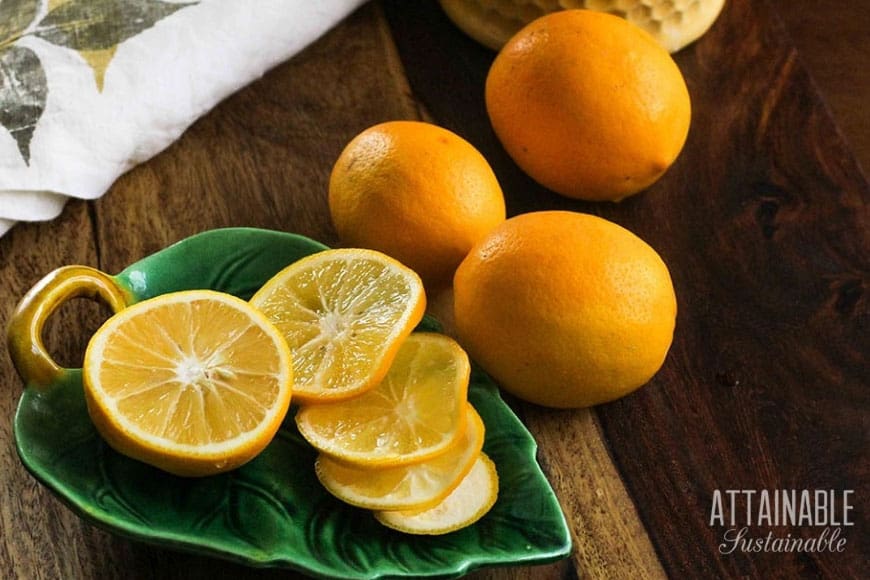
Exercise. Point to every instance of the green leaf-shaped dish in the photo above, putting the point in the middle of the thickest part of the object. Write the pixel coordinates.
(273, 511)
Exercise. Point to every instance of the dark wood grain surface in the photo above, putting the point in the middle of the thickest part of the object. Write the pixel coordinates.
(763, 222)
(832, 44)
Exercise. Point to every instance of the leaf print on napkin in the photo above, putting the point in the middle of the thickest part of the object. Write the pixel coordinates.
(94, 28)
(15, 17)
(101, 24)
(23, 92)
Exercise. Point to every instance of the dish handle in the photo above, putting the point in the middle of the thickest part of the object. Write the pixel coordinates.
(24, 334)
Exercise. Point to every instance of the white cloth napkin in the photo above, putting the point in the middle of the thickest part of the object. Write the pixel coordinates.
(90, 88)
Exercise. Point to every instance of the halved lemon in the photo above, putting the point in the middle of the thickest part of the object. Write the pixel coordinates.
(405, 487)
(194, 383)
(344, 314)
(415, 413)
(467, 503)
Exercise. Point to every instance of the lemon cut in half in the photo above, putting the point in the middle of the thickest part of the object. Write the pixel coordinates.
(344, 314)
(194, 383)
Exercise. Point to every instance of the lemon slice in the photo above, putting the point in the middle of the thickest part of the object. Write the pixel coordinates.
(405, 487)
(416, 412)
(467, 503)
(194, 382)
(344, 314)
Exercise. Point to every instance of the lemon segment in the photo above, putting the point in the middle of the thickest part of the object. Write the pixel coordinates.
(193, 382)
(405, 487)
(343, 314)
(416, 412)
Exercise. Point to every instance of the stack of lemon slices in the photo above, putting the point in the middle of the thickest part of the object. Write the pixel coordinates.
(387, 410)
(198, 383)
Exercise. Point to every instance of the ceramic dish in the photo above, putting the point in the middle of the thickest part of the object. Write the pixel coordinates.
(273, 511)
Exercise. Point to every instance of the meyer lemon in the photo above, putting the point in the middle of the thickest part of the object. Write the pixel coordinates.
(344, 314)
(416, 412)
(588, 104)
(417, 192)
(565, 309)
(195, 382)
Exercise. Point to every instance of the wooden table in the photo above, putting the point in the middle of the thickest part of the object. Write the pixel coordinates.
(763, 221)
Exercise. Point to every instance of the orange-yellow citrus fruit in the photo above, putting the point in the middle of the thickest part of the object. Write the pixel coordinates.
(344, 314)
(405, 487)
(195, 383)
(467, 503)
(565, 309)
(416, 412)
(588, 104)
(417, 192)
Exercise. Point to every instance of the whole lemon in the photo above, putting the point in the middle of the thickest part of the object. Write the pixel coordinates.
(415, 191)
(565, 309)
(588, 104)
